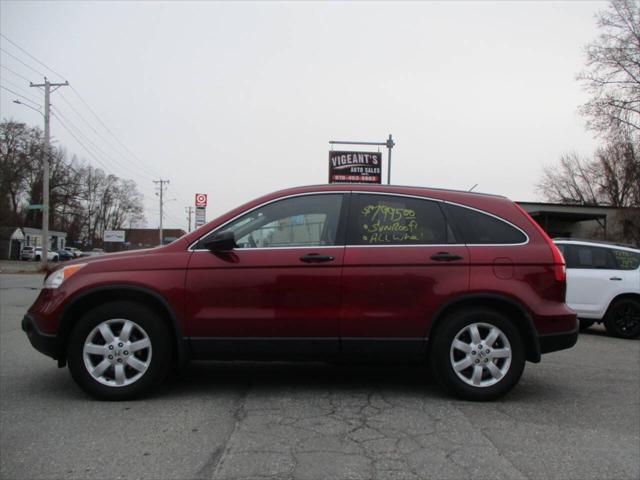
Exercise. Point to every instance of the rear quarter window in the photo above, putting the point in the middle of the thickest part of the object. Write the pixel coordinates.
(483, 229)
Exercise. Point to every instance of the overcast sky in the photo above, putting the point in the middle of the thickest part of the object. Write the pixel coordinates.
(239, 99)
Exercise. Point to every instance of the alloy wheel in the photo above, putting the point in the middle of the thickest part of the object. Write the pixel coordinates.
(117, 352)
(480, 354)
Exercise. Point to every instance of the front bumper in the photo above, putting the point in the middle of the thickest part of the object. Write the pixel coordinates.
(47, 344)
(558, 341)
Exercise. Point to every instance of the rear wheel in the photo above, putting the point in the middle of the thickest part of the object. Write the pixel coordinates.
(119, 350)
(623, 318)
(477, 354)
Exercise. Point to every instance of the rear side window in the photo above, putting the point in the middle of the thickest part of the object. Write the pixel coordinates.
(584, 256)
(626, 260)
(479, 228)
(396, 220)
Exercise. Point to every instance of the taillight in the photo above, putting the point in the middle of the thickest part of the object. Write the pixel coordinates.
(559, 266)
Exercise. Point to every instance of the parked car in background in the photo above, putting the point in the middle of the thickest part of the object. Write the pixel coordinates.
(27, 253)
(35, 253)
(328, 272)
(95, 252)
(74, 251)
(65, 254)
(603, 284)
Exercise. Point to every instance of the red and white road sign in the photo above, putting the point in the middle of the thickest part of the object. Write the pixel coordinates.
(201, 199)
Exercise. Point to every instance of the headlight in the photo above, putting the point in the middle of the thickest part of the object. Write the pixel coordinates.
(56, 278)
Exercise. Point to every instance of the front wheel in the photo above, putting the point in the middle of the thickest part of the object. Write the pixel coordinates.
(477, 354)
(623, 318)
(119, 350)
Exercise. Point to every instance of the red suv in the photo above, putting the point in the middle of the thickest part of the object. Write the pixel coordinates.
(333, 272)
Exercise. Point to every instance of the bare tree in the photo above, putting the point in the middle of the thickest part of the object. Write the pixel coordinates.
(612, 75)
(84, 201)
(572, 181)
(610, 178)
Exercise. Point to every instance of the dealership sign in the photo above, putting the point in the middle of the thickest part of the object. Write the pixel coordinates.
(113, 236)
(201, 209)
(355, 167)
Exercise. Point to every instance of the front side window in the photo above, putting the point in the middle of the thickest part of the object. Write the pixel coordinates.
(293, 222)
(396, 220)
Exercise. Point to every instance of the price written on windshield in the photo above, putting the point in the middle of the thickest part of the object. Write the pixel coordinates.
(384, 224)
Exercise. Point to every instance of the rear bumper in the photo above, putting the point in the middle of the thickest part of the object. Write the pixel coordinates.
(47, 344)
(558, 341)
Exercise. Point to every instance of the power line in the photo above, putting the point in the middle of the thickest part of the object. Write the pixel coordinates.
(82, 145)
(21, 96)
(31, 56)
(107, 128)
(144, 167)
(23, 63)
(14, 72)
(140, 174)
(134, 161)
(88, 140)
(17, 87)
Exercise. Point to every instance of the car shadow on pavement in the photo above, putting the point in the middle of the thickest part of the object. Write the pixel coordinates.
(218, 378)
(210, 376)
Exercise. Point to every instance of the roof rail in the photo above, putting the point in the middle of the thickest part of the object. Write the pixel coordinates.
(591, 240)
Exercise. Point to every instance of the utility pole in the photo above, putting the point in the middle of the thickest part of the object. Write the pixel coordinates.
(189, 211)
(161, 189)
(45, 165)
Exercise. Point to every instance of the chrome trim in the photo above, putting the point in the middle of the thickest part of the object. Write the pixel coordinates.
(497, 218)
(260, 206)
(448, 244)
(279, 248)
(418, 197)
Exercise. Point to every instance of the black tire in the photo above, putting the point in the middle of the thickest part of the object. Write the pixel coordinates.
(441, 356)
(584, 323)
(160, 351)
(623, 318)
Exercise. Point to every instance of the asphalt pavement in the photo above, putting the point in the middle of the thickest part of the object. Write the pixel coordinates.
(576, 415)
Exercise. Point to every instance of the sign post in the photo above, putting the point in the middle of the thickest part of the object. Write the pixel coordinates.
(389, 144)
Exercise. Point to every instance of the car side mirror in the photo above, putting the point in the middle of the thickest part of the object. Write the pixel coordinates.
(224, 241)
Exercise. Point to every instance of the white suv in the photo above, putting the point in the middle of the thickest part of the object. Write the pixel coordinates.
(603, 284)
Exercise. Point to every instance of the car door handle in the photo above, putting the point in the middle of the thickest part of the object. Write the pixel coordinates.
(316, 258)
(615, 278)
(445, 257)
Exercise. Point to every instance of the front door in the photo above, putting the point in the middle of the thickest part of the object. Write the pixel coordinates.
(279, 291)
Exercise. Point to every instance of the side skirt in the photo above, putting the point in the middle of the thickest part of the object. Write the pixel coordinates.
(305, 348)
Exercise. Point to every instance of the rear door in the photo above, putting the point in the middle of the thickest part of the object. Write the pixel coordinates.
(401, 263)
(592, 279)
